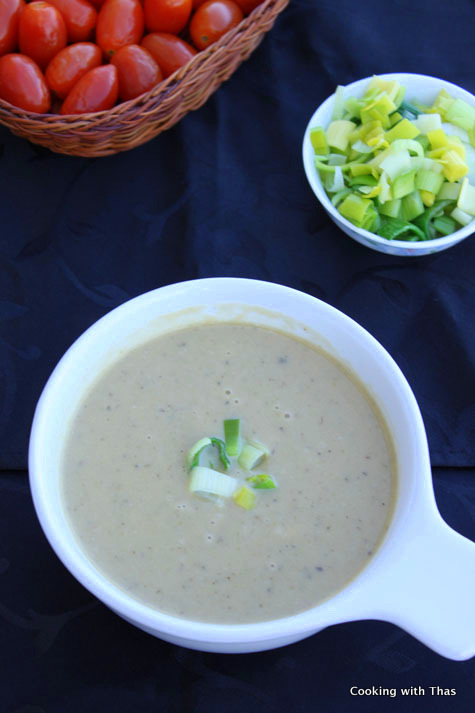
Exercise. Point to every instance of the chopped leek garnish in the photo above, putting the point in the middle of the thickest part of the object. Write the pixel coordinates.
(263, 481)
(193, 455)
(211, 482)
(245, 497)
(395, 167)
(223, 456)
(232, 436)
(252, 455)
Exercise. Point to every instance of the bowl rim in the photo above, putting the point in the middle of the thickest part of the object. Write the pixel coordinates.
(422, 246)
(154, 620)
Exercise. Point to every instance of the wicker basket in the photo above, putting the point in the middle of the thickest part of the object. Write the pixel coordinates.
(134, 122)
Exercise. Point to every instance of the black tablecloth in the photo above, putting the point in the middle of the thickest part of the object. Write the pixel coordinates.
(223, 193)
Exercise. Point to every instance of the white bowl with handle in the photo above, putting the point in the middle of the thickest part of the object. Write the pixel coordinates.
(422, 577)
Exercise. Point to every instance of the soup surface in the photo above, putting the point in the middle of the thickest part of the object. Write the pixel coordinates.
(125, 483)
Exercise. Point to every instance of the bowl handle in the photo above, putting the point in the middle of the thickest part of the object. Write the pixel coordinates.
(429, 589)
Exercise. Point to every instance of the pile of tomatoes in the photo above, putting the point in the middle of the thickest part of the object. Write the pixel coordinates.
(81, 56)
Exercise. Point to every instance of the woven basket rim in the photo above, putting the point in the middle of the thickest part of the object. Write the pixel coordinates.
(161, 90)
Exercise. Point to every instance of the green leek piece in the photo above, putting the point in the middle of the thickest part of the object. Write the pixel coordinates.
(328, 180)
(438, 139)
(404, 129)
(371, 220)
(424, 141)
(403, 184)
(375, 162)
(376, 85)
(369, 192)
(263, 481)
(338, 182)
(428, 122)
(396, 229)
(379, 109)
(232, 436)
(338, 134)
(362, 147)
(318, 140)
(338, 197)
(360, 169)
(363, 180)
(338, 103)
(399, 97)
(429, 181)
(461, 114)
(208, 481)
(449, 190)
(466, 199)
(394, 118)
(425, 221)
(391, 208)
(385, 192)
(411, 145)
(353, 108)
(412, 206)
(443, 102)
(222, 451)
(426, 164)
(408, 110)
(428, 198)
(193, 455)
(455, 143)
(245, 497)
(445, 225)
(454, 167)
(252, 455)
(461, 217)
(336, 159)
(396, 163)
(322, 166)
(354, 208)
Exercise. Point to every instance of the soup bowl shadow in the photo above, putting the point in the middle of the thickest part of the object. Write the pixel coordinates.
(422, 576)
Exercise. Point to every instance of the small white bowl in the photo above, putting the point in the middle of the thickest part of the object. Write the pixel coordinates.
(421, 578)
(418, 87)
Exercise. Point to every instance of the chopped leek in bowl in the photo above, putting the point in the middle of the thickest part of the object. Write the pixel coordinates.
(392, 160)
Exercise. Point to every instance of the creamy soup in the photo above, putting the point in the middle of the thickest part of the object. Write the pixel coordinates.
(125, 483)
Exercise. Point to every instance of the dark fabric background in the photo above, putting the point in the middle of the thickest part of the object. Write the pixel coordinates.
(224, 193)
